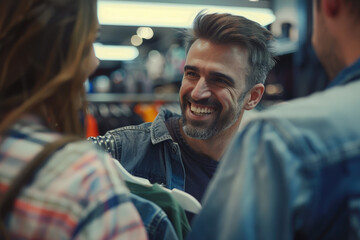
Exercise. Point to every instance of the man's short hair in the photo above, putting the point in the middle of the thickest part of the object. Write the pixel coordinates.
(230, 29)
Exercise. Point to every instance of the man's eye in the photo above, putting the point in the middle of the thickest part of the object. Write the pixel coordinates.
(220, 81)
(190, 74)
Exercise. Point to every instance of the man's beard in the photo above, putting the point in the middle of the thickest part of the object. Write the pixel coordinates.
(219, 124)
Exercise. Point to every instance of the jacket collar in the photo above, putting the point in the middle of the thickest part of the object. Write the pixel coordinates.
(158, 129)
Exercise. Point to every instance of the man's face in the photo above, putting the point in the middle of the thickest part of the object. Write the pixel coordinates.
(212, 90)
(318, 32)
(325, 45)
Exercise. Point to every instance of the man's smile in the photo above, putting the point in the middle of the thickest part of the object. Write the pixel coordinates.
(201, 110)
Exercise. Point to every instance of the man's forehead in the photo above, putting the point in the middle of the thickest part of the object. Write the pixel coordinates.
(209, 57)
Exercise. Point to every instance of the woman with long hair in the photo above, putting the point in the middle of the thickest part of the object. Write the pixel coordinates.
(46, 54)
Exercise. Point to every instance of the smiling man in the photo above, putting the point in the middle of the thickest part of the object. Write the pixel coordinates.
(226, 65)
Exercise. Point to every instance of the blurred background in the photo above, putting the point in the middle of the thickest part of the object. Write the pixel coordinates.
(142, 55)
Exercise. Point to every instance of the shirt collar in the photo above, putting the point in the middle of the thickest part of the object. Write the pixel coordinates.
(347, 75)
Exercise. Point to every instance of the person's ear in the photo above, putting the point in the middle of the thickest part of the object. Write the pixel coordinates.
(256, 93)
(331, 7)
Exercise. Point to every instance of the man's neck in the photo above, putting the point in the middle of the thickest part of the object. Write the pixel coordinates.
(347, 36)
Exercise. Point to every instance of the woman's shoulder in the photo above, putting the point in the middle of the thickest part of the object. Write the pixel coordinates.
(86, 169)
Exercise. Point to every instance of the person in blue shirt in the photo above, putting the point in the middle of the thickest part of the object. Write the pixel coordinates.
(228, 58)
(292, 172)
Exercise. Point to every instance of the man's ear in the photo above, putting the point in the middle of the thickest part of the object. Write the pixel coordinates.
(255, 93)
(331, 7)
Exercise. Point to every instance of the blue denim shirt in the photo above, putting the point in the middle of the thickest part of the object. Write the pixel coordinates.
(148, 151)
(293, 172)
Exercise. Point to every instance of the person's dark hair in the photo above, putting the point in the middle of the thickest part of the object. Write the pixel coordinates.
(43, 44)
(231, 29)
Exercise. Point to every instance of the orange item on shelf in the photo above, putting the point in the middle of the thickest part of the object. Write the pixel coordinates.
(147, 112)
(92, 129)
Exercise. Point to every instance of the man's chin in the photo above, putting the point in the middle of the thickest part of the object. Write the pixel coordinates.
(197, 132)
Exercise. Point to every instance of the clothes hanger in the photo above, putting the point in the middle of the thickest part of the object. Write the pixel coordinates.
(186, 201)
(131, 178)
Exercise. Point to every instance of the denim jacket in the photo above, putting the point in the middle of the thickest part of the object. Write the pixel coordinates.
(293, 172)
(148, 151)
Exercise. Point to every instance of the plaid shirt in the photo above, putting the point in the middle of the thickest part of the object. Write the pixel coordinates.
(77, 194)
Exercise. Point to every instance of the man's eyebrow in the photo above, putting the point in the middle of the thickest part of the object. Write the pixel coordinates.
(212, 74)
(224, 76)
(193, 68)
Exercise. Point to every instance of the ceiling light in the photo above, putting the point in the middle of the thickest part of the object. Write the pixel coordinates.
(115, 53)
(170, 15)
(136, 40)
(145, 32)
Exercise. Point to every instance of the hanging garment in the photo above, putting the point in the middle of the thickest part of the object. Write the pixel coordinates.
(158, 195)
(156, 222)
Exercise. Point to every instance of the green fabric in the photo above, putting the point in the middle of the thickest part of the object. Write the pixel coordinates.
(166, 202)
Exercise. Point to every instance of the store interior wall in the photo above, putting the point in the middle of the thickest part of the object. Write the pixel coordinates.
(158, 69)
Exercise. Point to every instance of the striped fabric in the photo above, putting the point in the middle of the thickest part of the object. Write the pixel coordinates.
(77, 194)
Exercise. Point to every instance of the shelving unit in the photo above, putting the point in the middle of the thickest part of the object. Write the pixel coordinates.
(132, 97)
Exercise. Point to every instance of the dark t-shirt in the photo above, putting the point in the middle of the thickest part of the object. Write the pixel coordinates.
(199, 169)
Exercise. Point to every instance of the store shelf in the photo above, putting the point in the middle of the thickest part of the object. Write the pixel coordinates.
(132, 97)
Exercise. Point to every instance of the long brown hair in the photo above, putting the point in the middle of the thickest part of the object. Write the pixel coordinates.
(43, 44)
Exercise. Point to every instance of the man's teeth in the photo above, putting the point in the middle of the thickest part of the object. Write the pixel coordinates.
(200, 110)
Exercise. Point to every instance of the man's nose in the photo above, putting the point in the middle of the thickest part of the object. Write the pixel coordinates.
(201, 90)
